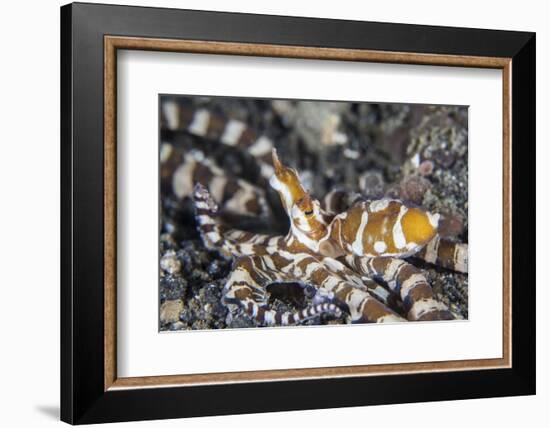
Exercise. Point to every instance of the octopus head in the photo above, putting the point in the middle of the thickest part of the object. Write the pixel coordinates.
(419, 226)
(304, 211)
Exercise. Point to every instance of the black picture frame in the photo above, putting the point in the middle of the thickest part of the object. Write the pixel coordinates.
(83, 396)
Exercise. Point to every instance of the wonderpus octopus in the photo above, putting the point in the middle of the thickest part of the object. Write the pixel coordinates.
(351, 259)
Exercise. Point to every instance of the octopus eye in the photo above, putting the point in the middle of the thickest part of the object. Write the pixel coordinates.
(308, 213)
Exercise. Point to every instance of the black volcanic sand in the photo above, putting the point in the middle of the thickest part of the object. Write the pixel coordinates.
(416, 153)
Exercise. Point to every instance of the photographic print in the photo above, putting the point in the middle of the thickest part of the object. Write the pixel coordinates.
(292, 212)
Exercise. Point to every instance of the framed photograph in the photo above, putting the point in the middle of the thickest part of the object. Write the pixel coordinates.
(274, 213)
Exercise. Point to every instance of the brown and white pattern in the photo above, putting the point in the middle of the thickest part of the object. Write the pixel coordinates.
(230, 132)
(446, 253)
(354, 260)
(438, 251)
(234, 194)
